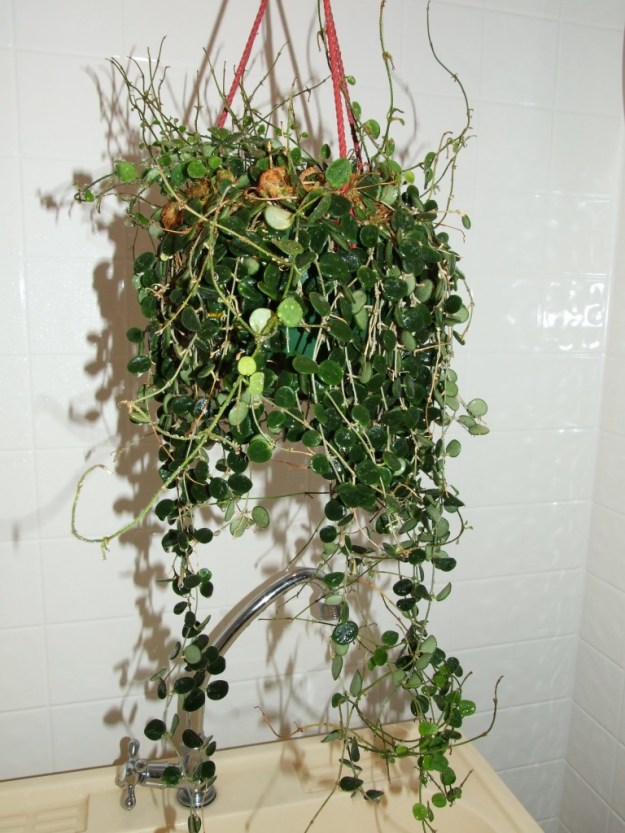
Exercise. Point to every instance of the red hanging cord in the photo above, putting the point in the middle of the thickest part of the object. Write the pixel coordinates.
(339, 83)
(243, 62)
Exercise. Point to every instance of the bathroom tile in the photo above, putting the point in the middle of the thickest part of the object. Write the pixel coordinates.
(537, 8)
(75, 400)
(96, 733)
(99, 659)
(613, 393)
(605, 557)
(591, 752)
(18, 514)
(427, 118)
(548, 537)
(27, 735)
(555, 390)
(573, 314)
(611, 470)
(58, 229)
(11, 243)
(14, 332)
(42, 81)
(609, 13)
(586, 153)
(457, 33)
(538, 787)
(223, 32)
(8, 104)
(579, 236)
(527, 735)
(20, 569)
(68, 27)
(106, 503)
(551, 660)
(513, 255)
(243, 716)
(589, 70)
(603, 619)
(15, 406)
(524, 608)
(541, 467)
(514, 146)
(582, 808)
(507, 76)
(617, 795)
(114, 586)
(77, 318)
(23, 656)
(598, 687)
(615, 824)
(6, 23)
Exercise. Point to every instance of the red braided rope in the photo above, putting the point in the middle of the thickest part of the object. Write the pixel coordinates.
(243, 62)
(334, 56)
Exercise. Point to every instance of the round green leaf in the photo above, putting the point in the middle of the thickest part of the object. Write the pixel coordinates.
(260, 449)
(285, 397)
(302, 364)
(246, 366)
(192, 654)
(453, 448)
(190, 320)
(345, 633)
(290, 312)
(330, 372)
(126, 171)
(139, 364)
(338, 173)
(477, 407)
(191, 739)
(259, 319)
(217, 690)
(260, 516)
(196, 169)
(278, 218)
(155, 729)
(194, 700)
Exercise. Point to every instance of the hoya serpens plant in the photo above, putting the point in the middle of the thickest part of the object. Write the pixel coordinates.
(312, 305)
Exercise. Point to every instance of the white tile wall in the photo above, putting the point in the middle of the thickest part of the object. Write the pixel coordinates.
(540, 182)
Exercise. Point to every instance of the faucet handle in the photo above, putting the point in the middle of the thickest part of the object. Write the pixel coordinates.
(127, 777)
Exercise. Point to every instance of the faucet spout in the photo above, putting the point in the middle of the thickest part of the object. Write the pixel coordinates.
(138, 771)
(260, 600)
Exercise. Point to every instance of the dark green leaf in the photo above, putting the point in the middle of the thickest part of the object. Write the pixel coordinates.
(190, 320)
(139, 364)
(345, 633)
(194, 700)
(217, 690)
(348, 783)
(191, 739)
(260, 449)
(155, 729)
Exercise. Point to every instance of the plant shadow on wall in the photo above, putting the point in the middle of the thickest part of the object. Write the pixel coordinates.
(134, 463)
(305, 306)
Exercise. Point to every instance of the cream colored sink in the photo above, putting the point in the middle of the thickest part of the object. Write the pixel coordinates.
(267, 788)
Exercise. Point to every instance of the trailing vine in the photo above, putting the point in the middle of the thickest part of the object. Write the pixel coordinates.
(309, 304)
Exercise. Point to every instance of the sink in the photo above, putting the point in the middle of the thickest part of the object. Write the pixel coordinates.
(266, 788)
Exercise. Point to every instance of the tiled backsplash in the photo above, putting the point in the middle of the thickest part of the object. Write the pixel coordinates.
(541, 182)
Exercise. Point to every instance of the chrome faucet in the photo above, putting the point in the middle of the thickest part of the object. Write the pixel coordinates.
(149, 773)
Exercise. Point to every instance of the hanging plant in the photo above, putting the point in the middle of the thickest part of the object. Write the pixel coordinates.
(312, 305)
